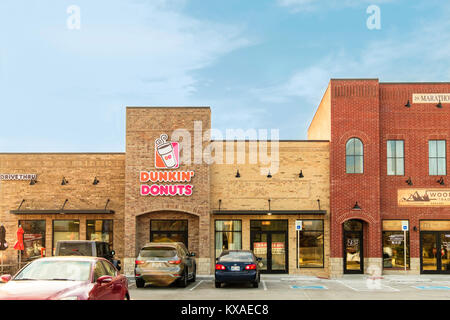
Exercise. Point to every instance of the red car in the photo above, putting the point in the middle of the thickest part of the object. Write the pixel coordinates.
(66, 278)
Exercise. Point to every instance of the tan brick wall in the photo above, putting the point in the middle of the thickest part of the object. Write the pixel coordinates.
(48, 194)
(320, 127)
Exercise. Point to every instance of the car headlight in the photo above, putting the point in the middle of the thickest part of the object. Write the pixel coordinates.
(69, 298)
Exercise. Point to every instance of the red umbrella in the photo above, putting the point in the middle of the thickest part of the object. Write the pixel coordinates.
(19, 243)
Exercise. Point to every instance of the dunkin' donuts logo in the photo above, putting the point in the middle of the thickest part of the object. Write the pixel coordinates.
(167, 153)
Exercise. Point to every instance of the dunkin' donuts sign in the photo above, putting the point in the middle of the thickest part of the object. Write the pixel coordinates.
(165, 182)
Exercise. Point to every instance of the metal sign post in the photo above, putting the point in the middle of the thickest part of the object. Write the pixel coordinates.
(405, 227)
(298, 227)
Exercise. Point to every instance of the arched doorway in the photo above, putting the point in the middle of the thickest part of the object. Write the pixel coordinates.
(353, 247)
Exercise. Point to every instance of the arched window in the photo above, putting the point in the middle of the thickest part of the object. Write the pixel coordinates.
(354, 153)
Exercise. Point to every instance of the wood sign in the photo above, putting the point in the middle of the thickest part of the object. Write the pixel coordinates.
(424, 197)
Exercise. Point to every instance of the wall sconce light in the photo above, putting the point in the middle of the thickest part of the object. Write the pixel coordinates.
(415, 228)
(33, 182)
(96, 181)
(409, 182)
(408, 105)
(439, 105)
(269, 175)
(301, 174)
(64, 182)
(356, 206)
(238, 175)
(441, 181)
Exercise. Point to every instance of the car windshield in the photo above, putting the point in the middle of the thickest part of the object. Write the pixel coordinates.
(158, 252)
(75, 249)
(56, 270)
(236, 257)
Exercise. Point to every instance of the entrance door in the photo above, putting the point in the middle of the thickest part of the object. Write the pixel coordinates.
(435, 255)
(271, 247)
(353, 247)
(270, 244)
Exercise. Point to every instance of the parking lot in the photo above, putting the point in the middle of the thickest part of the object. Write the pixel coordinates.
(306, 288)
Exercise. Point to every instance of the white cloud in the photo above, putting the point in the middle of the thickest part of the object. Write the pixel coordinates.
(311, 5)
(422, 55)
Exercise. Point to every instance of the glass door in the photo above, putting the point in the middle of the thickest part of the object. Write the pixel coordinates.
(271, 247)
(435, 256)
(353, 247)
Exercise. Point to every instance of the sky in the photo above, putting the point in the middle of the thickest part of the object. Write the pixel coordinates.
(259, 64)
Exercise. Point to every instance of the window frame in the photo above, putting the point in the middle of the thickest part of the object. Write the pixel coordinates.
(437, 157)
(323, 244)
(215, 233)
(408, 235)
(20, 222)
(395, 157)
(354, 156)
(183, 232)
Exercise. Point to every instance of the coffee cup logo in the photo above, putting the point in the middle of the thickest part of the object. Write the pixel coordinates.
(166, 153)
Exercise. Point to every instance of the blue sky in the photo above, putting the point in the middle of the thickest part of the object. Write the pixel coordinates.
(257, 63)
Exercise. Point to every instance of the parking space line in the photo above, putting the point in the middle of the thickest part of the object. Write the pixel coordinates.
(264, 285)
(354, 289)
(196, 285)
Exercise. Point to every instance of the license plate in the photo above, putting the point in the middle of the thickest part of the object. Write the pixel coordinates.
(235, 268)
(156, 265)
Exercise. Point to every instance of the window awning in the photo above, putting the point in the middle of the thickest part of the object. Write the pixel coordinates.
(273, 212)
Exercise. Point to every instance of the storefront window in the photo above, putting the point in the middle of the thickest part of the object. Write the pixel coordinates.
(169, 231)
(394, 246)
(33, 238)
(100, 230)
(65, 230)
(228, 235)
(311, 244)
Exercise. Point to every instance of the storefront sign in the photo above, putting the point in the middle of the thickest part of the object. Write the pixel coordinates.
(260, 248)
(167, 153)
(277, 247)
(424, 197)
(166, 189)
(431, 98)
(435, 225)
(17, 177)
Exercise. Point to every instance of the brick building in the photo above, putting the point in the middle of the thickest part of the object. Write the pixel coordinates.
(211, 201)
(375, 162)
(388, 164)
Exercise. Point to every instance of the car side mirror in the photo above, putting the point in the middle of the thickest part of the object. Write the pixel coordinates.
(5, 278)
(104, 279)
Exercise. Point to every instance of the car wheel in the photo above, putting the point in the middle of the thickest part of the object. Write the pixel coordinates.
(140, 283)
(218, 284)
(183, 282)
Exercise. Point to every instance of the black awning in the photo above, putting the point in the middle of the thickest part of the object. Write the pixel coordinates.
(273, 212)
(62, 211)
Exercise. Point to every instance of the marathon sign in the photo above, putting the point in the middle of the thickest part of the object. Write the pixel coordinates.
(424, 197)
(431, 98)
(179, 183)
(17, 177)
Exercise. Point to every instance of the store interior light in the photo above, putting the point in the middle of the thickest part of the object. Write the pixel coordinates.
(409, 182)
(408, 105)
(238, 175)
(356, 206)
